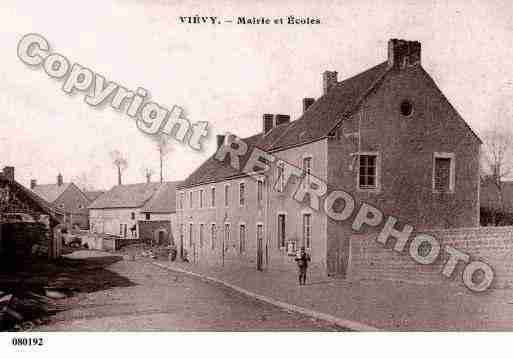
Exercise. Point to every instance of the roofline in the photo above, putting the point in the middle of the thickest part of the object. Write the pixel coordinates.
(451, 105)
(159, 212)
(278, 149)
(360, 101)
(123, 207)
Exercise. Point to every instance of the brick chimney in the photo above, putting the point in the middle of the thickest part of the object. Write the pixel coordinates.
(307, 102)
(268, 122)
(403, 53)
(281, 119)
(329, 79)
(59, 180)
(220, 140)
(9, 172)
(33, 183)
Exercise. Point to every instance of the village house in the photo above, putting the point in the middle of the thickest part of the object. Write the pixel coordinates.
(157, 218)
(134, 210)
(23, 217)
(387, 135)
(68, 198)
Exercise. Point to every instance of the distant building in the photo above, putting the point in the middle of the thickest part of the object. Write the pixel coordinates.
(92, 195)
(157, 218)
(68, 198)
(119, 210)
(387, 135)
(16, 200)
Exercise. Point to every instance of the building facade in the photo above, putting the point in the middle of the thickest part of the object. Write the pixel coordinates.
(388, 136)
(22, 236)
(157, 218)
(68, 198)
(135, 211)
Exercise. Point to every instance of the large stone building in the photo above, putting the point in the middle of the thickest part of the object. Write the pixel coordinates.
(388, 136)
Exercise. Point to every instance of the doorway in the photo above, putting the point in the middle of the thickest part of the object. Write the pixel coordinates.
(260, 251)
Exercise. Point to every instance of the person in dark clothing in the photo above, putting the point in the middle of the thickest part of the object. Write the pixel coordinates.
(302, 262)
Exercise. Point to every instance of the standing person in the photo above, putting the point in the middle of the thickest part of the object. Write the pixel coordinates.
(302, 262)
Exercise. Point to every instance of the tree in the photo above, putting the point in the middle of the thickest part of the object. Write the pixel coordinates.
(86, 180)
(120, 163)
(147, 172)
(496, 161)
(163, 147)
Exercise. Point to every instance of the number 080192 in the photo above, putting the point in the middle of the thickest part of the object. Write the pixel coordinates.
(27, 341)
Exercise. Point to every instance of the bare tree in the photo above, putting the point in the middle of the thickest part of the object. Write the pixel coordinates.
(83, 181)
(120, 162)
(147, 172)
(163, 147)
(496, 161)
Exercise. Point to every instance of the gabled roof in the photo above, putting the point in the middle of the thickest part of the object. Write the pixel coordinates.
(126, 196)
(330, 108)
(50, 192)
(164, 199)
(92, 195)
(314, 124)
(39, 202)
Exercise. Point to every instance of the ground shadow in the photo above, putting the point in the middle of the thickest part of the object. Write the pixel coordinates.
(29, 280)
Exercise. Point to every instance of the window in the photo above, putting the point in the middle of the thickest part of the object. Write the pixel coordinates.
(280, 177)
(406, 108)
(226, 235)
(213, 235)
(147, 216)
(443, 173)
(190, 235)
(201, 193)
(132, 215)
(368, 171)
(190, 199)
(307, 169)
(260, 191)
(307, 229)
(242, 193)
(180, 202)
(226, 194)
(242, 238)
(281, 230)
(201, 234)
(120, 229)
(213, 197)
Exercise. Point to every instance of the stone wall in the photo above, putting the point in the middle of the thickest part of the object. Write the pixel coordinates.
(493, 245)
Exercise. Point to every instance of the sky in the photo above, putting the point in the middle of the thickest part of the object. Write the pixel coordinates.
(227, 74)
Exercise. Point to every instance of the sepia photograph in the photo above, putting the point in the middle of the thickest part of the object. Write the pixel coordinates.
(260, 170)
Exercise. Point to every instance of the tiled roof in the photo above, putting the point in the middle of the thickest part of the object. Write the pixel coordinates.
(92, 195)
(329, 109)
(50, 192)
(320, 118)
(44, 205)
(164, 200)
(126, 196)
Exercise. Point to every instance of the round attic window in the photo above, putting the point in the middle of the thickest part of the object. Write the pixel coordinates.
(406, 108)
